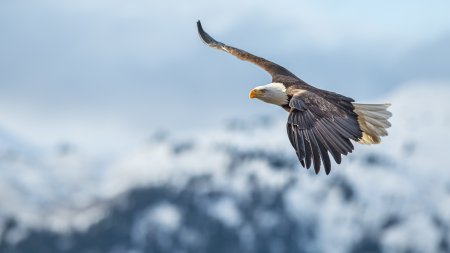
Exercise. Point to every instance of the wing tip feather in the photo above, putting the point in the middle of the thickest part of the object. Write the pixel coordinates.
(201, 32)
(204, 36)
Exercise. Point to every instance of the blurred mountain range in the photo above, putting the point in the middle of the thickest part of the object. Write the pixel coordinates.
(236, 189)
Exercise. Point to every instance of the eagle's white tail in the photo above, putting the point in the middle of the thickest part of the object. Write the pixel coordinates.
(373, 121)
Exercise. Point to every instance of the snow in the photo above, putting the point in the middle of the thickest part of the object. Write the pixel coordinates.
(404, 180)
(164, 218)
(165, 215)
(416, 234)
(226, 211)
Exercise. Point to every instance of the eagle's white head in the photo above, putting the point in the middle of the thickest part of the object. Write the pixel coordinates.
(274, 93)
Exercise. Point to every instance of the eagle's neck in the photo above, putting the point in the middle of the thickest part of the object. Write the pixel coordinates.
(275, 93)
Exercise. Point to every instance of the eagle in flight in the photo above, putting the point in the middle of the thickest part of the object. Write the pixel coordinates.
(320, 122)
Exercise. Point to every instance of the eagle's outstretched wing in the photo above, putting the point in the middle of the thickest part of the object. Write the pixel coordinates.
(275, 70)
(317, 126)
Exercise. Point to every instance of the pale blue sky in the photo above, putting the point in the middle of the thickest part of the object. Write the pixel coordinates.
(105, 73)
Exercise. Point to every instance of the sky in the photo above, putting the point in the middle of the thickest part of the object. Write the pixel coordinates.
(105, 75)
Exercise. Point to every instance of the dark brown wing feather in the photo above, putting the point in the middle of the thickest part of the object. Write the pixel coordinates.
(275, 70)
(321, 123)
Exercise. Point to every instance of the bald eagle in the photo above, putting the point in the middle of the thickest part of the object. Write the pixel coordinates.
(320, 122)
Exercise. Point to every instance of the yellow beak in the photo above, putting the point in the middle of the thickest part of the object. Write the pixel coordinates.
(255, 93)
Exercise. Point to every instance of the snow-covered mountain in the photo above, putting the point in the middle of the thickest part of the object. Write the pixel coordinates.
(237, 189)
